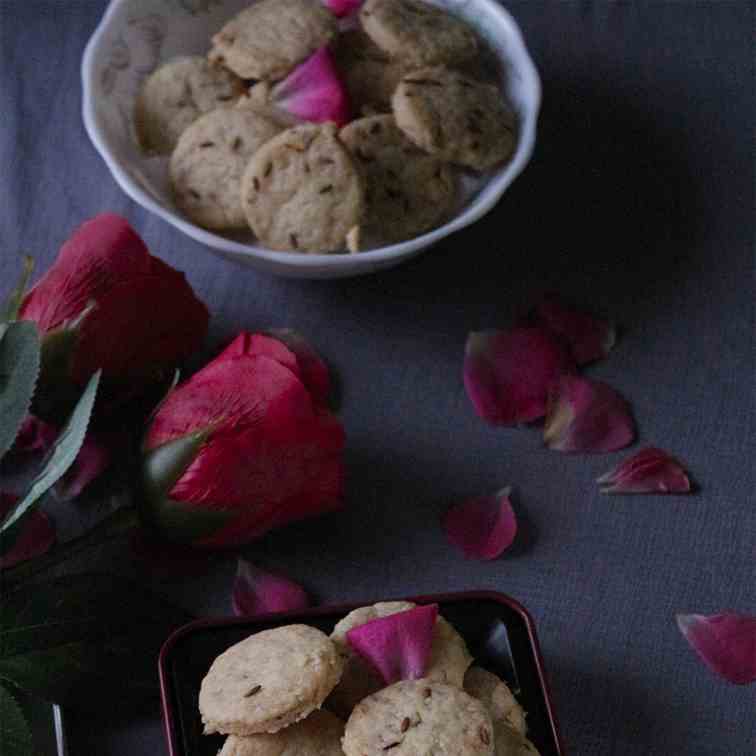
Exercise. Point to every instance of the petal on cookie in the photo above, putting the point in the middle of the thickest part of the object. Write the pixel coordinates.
(587, 416)
(651, 470)
(36, 535)
(508, 374)
(341, 8)
(482, 527)
(725, 642)
(590, 338)
(397, 646)
(314, 92)
(258, 592)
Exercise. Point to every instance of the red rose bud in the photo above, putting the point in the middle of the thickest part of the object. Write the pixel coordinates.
(242, 447)
(107, 303)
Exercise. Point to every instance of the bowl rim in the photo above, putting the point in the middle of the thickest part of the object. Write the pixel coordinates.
(325, 261)
(170, 716)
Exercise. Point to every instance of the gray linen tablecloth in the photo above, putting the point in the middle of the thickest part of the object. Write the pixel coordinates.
(639, 203)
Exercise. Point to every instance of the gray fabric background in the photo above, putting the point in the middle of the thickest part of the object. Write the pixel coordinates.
(639, 203)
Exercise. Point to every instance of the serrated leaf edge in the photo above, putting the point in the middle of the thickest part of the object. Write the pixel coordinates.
(9, 432)
(63, 454)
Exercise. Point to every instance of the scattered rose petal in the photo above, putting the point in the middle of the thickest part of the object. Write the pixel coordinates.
(482, 527)
(341, 8)
(725, 642)
(590, 338)
(37, 437)
(508, 374)
(93, 460)
(651, 470)
(587, 416)
(313, 91)
(397, 646)
(35, 537)
(258, 592)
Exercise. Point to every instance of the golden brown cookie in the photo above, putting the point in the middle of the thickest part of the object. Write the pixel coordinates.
(269, 681)
(455, 117)
(302, 192)
(416, 717)
(207, 165)
(175, 95)
(318, 735)
(266, 40)
(407, 191)
(418, 33)
(495, 694)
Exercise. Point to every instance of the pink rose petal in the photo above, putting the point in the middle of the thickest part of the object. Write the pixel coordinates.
(397, 646)
(482, 527)
(341, 8)
(313, 91)
(587, 416)
(37, 437)
(651, 470)
(312, 370)
(590, 338)
(508, 374)
(725, 642)
(35, 537)
(93, 460)
(258, 592)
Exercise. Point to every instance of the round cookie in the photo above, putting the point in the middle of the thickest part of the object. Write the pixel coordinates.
(418, 33)
(259, 98)
(510, 743)
(407, 191)
(448, 663)
(495, 694)
(266, 40)
(175, 95)
(269, 681)
(369, 75)
(416, 717)
(318, 735)
(207, 165)
(454, 117)
(302, 192)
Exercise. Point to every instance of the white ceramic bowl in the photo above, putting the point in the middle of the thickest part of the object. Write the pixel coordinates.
(135, 36)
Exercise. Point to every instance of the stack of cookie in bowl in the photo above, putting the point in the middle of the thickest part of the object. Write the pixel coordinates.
(293, 691)
(322, 134)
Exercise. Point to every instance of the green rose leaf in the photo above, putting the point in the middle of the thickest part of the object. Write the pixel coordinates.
(63, 453)
(15, 736)
(76, 639)
(13, 303)
(19, 370)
